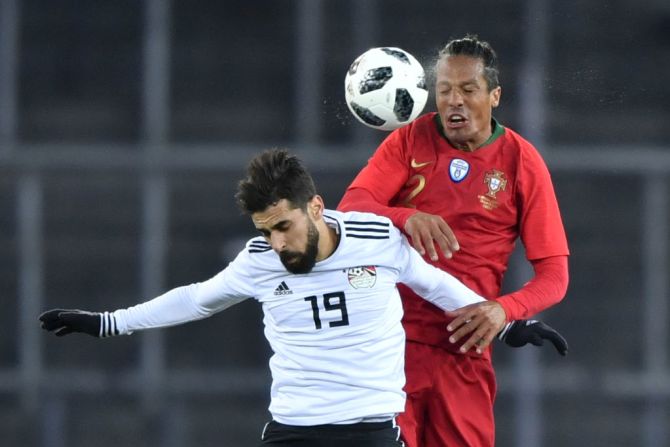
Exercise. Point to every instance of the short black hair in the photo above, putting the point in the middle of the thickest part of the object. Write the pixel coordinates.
(472, 46)
(272, 176)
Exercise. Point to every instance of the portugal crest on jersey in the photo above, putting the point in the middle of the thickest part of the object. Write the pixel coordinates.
(496, 181)
(362, 277)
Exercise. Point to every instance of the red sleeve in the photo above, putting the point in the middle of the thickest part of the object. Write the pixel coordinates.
(547, 288)
(541, 226)
(380, 180)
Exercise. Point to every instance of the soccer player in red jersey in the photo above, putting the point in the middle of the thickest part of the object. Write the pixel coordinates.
(464, 188)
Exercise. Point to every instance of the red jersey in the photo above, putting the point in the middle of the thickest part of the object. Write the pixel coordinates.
(489, 198)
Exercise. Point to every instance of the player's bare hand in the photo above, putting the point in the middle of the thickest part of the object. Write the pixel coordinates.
(482, 321)
(426, 230)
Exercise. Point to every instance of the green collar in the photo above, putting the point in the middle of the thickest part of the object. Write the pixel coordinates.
(498, 130)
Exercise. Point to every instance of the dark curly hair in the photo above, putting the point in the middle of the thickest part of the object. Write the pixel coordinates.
(272, 176)
(472, 46)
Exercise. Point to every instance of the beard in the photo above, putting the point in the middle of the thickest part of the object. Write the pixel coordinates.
(298, 263)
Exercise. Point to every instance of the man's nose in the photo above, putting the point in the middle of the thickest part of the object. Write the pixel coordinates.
(455, 98)
(277, 241)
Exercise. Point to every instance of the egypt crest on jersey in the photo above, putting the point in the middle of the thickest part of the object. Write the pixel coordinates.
(363, 276)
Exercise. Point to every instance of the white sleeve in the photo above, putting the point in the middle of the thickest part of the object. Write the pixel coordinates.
(431, 283)
(189, 303)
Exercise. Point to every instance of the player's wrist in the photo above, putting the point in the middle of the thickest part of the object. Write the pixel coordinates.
(108, 325)
(401, 216)
(506, 302)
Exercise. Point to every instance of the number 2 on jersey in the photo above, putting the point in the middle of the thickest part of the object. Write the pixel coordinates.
(329, 305)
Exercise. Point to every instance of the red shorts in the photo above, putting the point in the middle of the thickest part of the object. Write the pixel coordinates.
(449, 399)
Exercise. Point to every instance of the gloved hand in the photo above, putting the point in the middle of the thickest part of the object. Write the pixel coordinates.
(519, 332)
(65, 321)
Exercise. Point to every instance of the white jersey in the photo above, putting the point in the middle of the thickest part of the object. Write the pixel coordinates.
(335, 332)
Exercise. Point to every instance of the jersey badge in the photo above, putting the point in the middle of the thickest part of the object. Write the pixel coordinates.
(282, 289)
(458, 170)
(496, 182)
(363, 277)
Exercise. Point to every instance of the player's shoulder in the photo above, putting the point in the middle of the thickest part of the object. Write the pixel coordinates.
(423, 126)
(368, 238)
(423, 122)
(361, 225)
(257, 257)
(257, 245)
(514, 139)
(417, 140)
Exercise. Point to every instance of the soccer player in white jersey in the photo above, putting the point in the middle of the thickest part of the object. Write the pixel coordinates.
(326, 281)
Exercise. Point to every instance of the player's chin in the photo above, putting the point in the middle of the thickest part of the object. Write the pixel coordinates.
(298, 269)
(297, 265)
(458, 136)
(290, 259)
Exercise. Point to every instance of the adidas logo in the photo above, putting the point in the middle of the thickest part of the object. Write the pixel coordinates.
(282, 289)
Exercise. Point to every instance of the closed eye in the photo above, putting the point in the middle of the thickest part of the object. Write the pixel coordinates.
(282, 227)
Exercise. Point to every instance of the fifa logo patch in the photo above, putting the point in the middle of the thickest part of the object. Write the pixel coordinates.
(458, 170)
(496, 181)
(362, 277)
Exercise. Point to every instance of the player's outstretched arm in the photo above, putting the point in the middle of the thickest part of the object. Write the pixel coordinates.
(65, 321)
(521, 332)
(177, 306)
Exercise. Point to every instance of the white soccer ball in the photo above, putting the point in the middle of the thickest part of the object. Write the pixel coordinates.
(385, 88)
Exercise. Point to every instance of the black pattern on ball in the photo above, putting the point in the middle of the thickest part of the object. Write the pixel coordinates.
(422, 83)
(375, 79)
(402, 57)
(367, 116)
(403, 104)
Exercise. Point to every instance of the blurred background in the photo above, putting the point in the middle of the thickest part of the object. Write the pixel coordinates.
(125, 125)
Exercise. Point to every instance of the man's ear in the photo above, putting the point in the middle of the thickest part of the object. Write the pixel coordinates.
(316, 207)
(495, 97)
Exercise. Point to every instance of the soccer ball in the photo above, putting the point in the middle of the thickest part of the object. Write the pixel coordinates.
(385, 88)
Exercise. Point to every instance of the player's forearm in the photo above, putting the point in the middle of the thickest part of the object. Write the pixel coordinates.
(452, 294)
(437, 286)
(547, 288)
(360, 199)
(170, 309)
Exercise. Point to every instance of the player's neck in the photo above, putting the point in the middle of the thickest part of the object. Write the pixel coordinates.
(329, 238)
(472, 145)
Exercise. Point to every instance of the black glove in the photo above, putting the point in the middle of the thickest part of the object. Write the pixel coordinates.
(519, 332)
(65, 321)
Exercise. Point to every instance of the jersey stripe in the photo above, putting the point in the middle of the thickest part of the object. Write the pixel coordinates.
(357, 222)
(360, 236)
(259, 246)
(367, 229)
